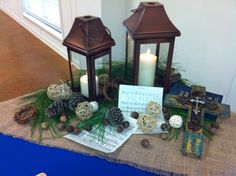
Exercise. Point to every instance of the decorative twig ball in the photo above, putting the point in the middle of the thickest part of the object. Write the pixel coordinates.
(84, 110)
(176, 121)
(95, 105)
(59, 91)
(146, 123)
(153, 108)
(64, 91)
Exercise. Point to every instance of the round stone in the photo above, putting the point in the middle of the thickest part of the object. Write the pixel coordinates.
(176, 121)
(105, 121)
(125, 124)
(134, 115)
(63, 118)
(94, 105)
(44, 125)
(166, 116)
(164, 136)
(165, 110)
(76, 130)
(215, 125)
(213, 131)
(164, 127)
(69, 128)
(145, 143)
(119, 129)
(88, 127)
(61, 126)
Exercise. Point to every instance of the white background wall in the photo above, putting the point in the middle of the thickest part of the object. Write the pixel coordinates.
(206, 48)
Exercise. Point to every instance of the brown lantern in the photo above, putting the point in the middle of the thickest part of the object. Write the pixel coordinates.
(89, 44)
(150, 27)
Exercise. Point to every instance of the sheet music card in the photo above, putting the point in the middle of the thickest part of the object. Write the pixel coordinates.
(136, 98)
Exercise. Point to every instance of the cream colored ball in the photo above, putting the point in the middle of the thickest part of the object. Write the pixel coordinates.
(95, 105)
(176, 121)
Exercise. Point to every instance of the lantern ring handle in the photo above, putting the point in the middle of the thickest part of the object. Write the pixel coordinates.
(91, 38)
(109, 32)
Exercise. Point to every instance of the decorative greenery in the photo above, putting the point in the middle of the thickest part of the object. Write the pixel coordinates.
(40, 101)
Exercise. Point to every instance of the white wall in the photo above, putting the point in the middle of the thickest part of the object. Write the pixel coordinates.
(231, 96)
(114, 12)
(206, 48)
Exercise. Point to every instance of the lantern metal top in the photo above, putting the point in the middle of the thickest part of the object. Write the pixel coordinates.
(88, 36)
(150, 20)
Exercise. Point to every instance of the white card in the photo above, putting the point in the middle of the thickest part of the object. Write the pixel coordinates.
(136, 98)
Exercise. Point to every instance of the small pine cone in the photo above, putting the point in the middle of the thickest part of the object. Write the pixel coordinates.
(55, 109)
(115, 116)
(74, 100)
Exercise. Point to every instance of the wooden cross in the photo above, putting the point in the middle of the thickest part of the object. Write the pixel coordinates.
(197, 104)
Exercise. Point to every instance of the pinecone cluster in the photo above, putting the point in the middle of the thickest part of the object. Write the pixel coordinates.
(74, 100)
(115, 116)
(58, 106)
(55, 109)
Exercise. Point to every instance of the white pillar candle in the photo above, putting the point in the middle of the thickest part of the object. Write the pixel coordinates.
(84, 85)
(147, 69)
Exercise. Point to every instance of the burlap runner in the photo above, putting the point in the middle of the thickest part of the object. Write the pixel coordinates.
(163, 157)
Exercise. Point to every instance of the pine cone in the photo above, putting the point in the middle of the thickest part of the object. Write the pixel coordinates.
(115, 116)
(55, 109)
(74, 100)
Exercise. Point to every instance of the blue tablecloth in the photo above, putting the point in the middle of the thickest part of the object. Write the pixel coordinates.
(21, 158)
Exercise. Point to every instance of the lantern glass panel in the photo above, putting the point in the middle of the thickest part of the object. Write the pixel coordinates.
(79, 68)
(102, 72)
(102, 65)
(162, 63)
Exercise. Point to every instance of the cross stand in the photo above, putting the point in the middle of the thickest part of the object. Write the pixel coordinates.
(197, 105)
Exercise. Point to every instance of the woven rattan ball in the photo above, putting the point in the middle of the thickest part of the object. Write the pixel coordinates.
(52, 92)
(146, 123)
(84, 110)
(153, 109)
(59, 91)
(64, 90)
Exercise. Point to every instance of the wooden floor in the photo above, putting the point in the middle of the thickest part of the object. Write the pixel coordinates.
(26, 64)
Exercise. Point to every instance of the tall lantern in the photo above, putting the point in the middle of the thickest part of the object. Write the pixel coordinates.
(149, 28)
(89, 44)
